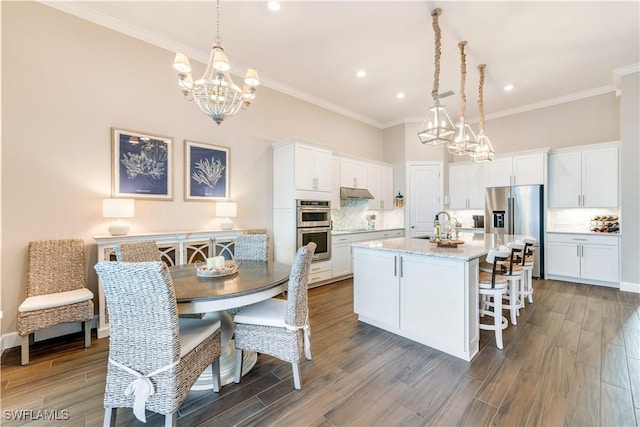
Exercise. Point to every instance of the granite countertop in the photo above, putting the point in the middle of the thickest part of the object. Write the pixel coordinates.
(362, 230)
(475, 245)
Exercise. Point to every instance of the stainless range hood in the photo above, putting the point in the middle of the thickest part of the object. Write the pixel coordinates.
(354, 193)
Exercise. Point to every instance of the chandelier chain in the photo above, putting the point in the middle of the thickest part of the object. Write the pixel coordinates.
(481, 68)
(463, 78)
(218, 40)
(436, 73)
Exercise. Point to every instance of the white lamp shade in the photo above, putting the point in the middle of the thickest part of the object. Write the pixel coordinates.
(181, 63)
(118, 208)
(226, 209)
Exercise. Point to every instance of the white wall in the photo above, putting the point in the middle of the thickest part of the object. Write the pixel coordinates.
(66, 82)
(630, 178)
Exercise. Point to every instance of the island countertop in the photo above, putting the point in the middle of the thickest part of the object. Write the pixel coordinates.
(475, 245)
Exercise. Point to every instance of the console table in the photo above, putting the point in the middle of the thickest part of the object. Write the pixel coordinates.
(176, 248)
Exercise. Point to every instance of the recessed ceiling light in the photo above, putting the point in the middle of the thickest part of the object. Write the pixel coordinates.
(361, 73)
(400, 95)
(273, 5)
(508, 87)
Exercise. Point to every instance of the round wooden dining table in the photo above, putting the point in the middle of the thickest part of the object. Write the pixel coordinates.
(253, 282)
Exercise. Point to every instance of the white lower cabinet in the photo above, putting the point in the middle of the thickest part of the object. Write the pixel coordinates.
(584, 258)
(430, 300)
(342, 255)
(319, 271)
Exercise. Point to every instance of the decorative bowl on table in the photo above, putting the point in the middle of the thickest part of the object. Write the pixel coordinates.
(229, 268)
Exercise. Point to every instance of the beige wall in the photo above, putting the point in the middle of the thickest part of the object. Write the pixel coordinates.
(67, 81)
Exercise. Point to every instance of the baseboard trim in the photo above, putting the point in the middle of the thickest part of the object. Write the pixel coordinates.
(12, 339)
(630, 287)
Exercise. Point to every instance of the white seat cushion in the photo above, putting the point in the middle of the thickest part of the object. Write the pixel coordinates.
(269, 312)
(194, 331)
(58, 299)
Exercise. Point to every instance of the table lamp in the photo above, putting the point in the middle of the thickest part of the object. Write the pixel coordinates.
(226, 210)
(118, 208)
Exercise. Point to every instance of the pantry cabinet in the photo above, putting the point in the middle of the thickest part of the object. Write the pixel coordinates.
(466, 185)
(583, 258)
(585, 176)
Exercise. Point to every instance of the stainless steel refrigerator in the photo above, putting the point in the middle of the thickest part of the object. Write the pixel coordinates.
(517, 210)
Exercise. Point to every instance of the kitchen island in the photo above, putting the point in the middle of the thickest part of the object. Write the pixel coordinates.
(426, 293)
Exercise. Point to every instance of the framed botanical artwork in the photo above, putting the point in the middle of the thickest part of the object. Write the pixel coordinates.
(206, 171)
(142, 165)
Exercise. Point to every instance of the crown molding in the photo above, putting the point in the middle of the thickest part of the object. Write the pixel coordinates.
(618, 73)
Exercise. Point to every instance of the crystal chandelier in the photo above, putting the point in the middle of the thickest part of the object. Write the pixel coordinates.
(437, 127)
(483, 151)
(215, 93)
(465, 140)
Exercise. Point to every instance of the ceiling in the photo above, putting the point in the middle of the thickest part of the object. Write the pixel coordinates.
(551, 51)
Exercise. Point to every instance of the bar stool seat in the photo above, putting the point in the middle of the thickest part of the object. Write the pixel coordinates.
(513, 274)
(493, 285)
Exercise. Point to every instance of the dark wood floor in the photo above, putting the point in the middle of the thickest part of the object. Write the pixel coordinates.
(573, 359)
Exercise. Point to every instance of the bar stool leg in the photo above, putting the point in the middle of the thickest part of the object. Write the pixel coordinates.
(497, 307)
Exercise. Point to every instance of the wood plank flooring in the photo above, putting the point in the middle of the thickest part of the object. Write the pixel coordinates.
(573, 359)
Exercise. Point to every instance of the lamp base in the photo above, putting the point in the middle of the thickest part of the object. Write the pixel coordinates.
(119, 228)
(226, 224)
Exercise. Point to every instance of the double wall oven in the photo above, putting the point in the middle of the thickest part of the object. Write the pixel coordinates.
(313, 222)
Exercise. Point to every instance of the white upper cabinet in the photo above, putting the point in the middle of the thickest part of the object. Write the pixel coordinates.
(585, 176)
(466, 185)
(380, 185)
(353, 173)
(522, 169)
(312, 168)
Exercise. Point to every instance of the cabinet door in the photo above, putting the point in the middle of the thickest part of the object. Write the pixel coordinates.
(433, 293)
(335, 183)
(476, 186)
(600, 178)
(353, 173)
(376, 286)
(600, 262)
(563, 259)
(458, 186)
(386, 187)
(373, 185)
(341, 258)
(323, 170)
(499, 172)
(565, 181)
(305, 167)
(528, 170)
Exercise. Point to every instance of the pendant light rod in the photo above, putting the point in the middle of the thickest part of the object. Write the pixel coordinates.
(436, 30)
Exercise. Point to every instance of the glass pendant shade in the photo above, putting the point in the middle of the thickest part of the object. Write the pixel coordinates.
(464, 140)
(484, 150)
(437, 127)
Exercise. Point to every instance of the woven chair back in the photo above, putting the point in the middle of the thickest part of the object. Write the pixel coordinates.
(143, 315)
(253, 247)
(55, 266)
(297, 305)
(143, 251)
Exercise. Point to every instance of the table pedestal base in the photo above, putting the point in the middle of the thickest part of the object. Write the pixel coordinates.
(227, 356)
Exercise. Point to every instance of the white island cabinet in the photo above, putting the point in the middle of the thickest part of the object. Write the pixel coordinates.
(427, 294)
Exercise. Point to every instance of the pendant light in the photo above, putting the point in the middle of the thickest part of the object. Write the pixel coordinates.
(437, 127)
(464, 140)
(484, 150)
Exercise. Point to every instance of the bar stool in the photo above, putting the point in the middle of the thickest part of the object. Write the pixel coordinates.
(513, 274)
(527, 265)
(493, 285)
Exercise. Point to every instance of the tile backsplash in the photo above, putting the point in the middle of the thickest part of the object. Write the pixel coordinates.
(351, 216)
(575, 220)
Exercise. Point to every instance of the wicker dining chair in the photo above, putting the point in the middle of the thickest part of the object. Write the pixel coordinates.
(143, 251)
(56, 292)
(276, 326)
(254, 247)
(154, 357)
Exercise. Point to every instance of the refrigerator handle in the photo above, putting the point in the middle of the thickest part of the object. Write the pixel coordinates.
(510, 225)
